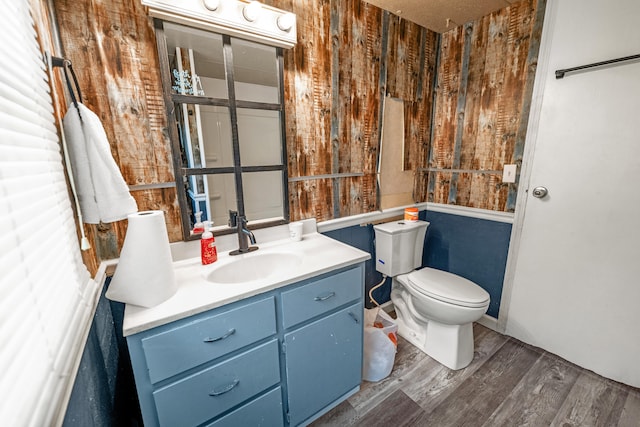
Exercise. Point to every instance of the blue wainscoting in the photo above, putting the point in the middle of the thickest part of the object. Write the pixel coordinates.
(362, 237)
(470, 247)
(104, 392)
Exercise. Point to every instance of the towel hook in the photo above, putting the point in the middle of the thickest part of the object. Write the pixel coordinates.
(67, 68)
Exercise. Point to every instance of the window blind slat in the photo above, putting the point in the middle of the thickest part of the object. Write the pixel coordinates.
(19, 118)
(14, 90)
(29, 336)
(12, 299)
(21, 403)
(46, 294)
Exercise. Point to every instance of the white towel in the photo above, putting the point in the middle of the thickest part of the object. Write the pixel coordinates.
(102, 192)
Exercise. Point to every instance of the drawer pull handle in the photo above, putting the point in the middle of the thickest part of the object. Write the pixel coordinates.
(326, 297)
(226, 335)
(225, 389)
(354, 317)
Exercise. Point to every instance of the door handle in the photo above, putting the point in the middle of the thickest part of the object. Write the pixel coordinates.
(540, 192)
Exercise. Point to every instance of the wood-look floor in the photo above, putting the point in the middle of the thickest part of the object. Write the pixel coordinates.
(507, 384)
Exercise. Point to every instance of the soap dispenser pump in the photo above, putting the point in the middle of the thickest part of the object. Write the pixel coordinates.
(208, 250)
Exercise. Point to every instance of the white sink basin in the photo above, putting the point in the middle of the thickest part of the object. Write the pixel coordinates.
(253, 266)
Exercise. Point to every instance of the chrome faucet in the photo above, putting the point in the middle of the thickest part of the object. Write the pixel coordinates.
(240, 223)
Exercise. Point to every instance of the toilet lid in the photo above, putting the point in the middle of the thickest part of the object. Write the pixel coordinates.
(448, 287)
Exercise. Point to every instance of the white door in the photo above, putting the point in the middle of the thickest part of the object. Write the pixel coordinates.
(576, 266)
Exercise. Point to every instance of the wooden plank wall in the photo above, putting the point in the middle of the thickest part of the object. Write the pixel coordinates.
(483, 95)
(349, 55)
(348, 52)
(111, 44)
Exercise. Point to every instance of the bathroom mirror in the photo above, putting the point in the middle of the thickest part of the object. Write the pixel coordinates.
(226, 126)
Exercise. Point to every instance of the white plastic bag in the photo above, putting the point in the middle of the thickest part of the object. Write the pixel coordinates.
(379, 345)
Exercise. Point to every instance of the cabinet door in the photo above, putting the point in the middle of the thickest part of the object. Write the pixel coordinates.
(324, 361)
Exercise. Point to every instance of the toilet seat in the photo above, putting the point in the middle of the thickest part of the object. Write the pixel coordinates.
(447, 287)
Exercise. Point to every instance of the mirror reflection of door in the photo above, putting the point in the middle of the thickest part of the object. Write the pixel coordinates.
(204, 119)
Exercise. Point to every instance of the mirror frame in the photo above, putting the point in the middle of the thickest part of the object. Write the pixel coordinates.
(180, 172)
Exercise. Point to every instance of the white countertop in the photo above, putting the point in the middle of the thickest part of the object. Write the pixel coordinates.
(319, 254)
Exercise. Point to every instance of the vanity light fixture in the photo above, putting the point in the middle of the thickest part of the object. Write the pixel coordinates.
(251, 11)
(250, 20)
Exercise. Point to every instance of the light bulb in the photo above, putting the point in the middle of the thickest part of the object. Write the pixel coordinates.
(285, 21)
(251, 11)
(211, 4)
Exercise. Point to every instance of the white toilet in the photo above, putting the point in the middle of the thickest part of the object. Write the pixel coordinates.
(435, 309)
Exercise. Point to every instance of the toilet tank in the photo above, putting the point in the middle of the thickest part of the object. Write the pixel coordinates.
(399, 246)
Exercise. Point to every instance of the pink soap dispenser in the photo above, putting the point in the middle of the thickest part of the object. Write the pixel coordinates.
(208, 250)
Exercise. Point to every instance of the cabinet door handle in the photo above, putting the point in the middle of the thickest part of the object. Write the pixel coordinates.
(225, 389)
(226, 335)
(326, 297)
(354, 317)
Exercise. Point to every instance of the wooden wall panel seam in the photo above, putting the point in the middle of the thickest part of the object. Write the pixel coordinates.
(460, 110)
(431, 182)
(335, 102)
(328, 176)
(460, 170)
(382, 91)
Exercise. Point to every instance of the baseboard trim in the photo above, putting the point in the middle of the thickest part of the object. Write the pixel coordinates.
(489, 322)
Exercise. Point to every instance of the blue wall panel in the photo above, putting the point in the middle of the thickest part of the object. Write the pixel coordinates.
(104, 392)
(470, 247)
(361, 237)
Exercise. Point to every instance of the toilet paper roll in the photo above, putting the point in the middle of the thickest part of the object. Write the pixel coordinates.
(144, 275)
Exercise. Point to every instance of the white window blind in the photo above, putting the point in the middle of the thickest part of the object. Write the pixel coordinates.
(46, 294)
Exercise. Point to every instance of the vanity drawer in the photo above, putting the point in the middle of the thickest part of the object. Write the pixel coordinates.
(320, 296)
(203, 395)
(191, 344)
(265, 411)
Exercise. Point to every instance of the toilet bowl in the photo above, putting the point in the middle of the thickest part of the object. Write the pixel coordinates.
(435, 309)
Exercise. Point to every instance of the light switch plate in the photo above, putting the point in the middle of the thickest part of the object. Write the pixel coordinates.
(509, 173)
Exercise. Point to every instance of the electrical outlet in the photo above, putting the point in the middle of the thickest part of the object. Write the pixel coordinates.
(509, 173)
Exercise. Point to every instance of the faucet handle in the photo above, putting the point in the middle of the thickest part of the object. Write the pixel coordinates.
(233, 218)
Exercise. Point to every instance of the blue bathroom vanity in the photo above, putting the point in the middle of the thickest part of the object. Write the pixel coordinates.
(270, 351)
